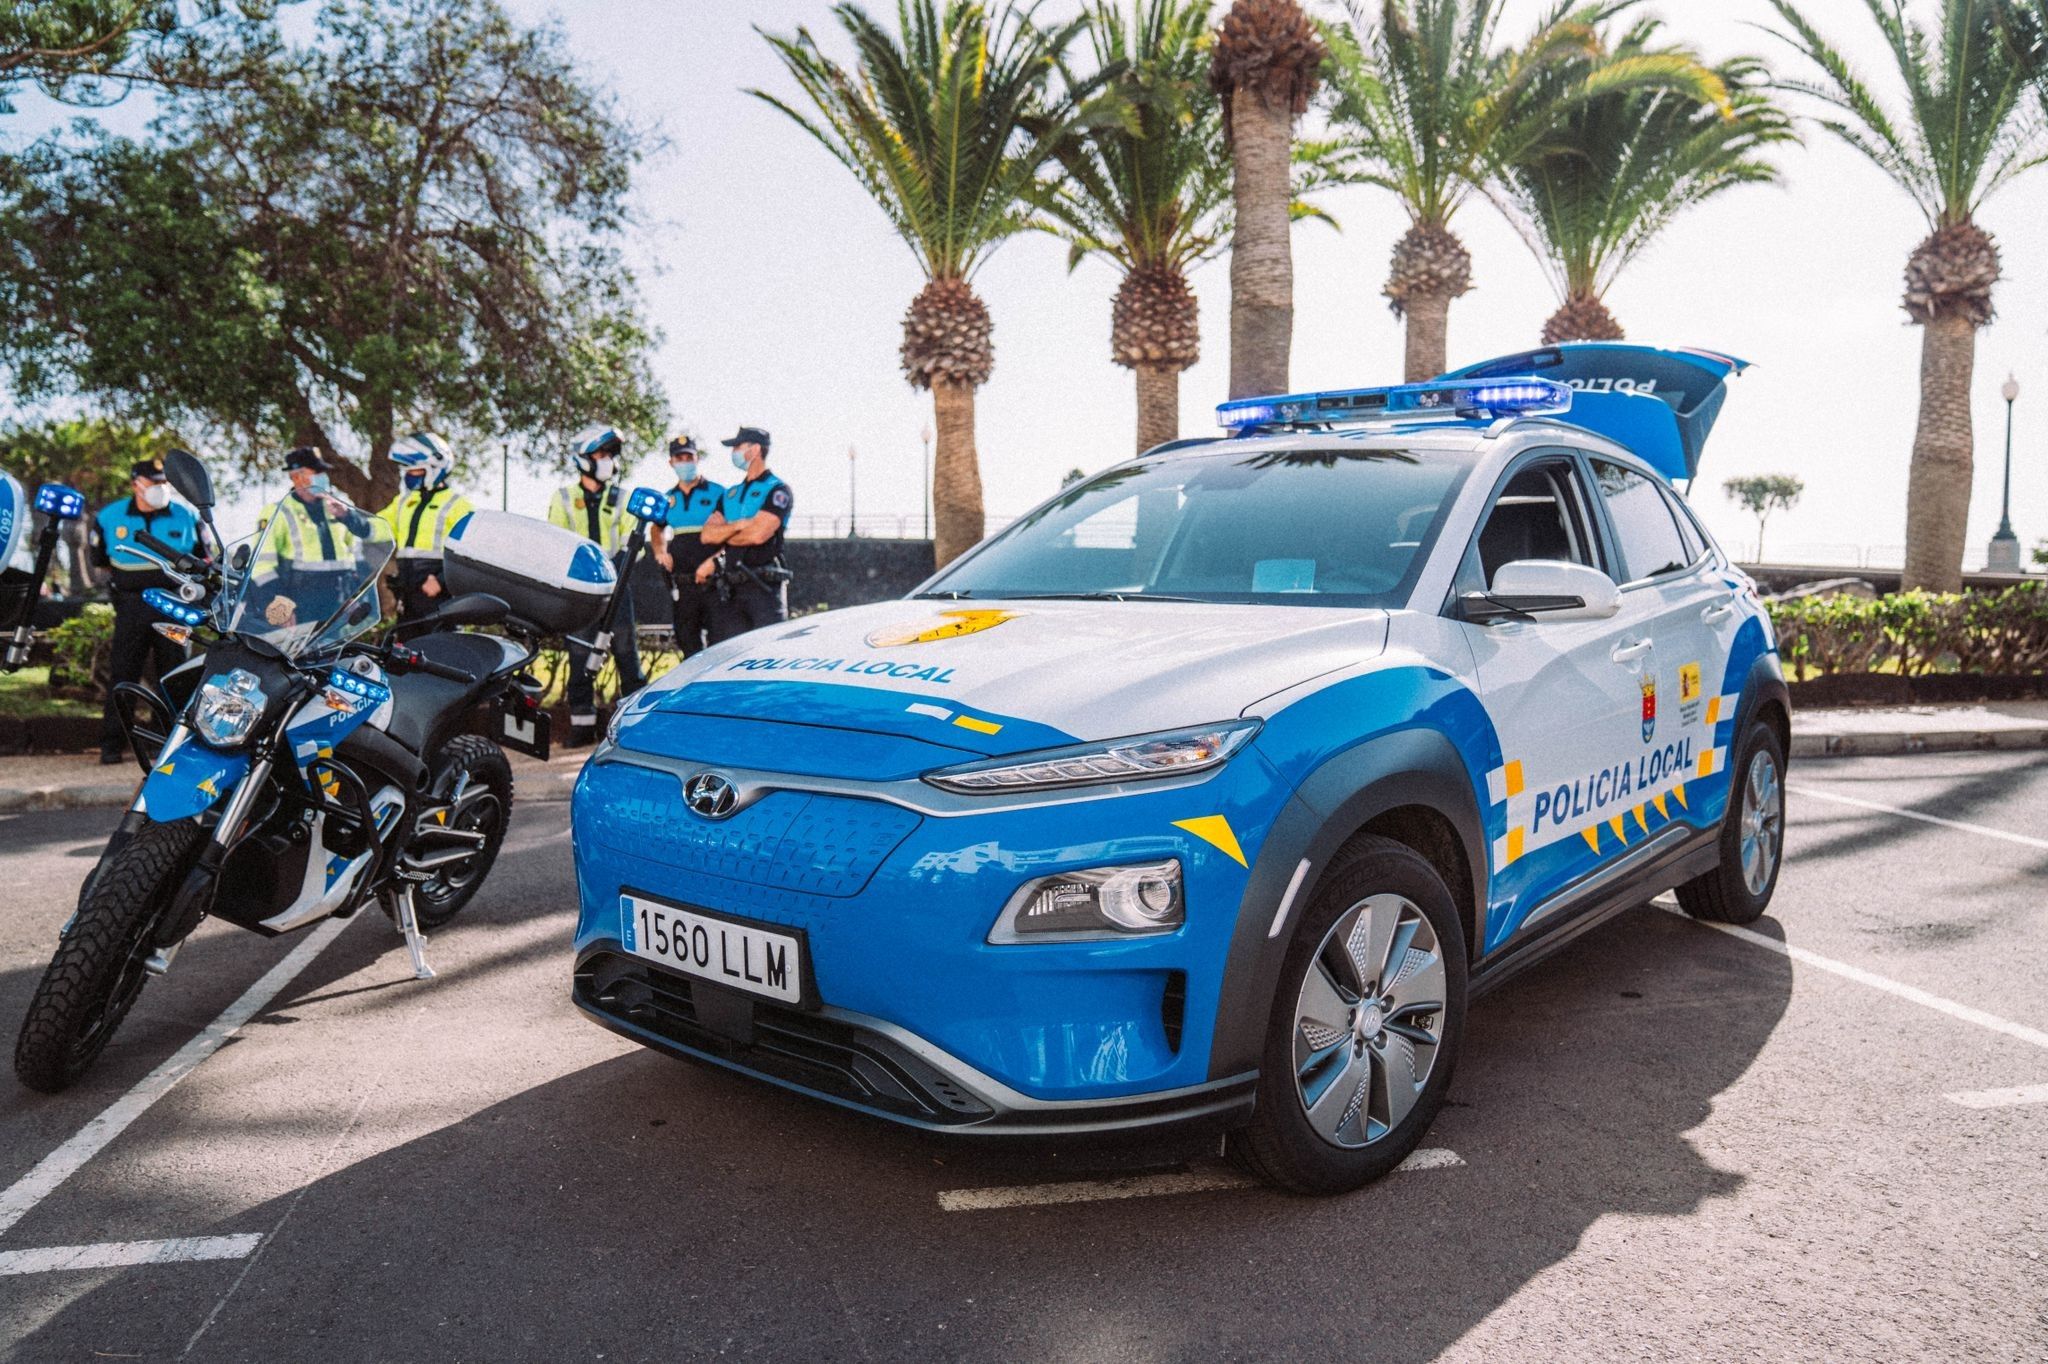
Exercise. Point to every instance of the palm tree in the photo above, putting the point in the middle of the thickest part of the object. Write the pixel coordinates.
(1149, 191)
(1618, 166)
(1968, 128)
(1267, 62)
(947, 128)
(1426, 100)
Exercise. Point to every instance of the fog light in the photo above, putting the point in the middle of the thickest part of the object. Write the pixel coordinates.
(1102, 902)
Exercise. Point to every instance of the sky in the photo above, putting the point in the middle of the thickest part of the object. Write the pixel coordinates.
(780, 290)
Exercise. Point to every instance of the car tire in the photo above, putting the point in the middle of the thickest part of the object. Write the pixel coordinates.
(1739, 889)
(1381, 950)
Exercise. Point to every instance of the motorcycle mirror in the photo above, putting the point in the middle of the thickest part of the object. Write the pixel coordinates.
(190, 478)
(471, 608)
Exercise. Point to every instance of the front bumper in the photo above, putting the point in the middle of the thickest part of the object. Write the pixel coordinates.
(870, 1065)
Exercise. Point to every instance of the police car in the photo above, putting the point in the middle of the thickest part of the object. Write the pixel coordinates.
(1212, 790)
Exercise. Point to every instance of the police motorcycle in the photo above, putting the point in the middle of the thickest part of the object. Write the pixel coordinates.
(311, 769)
(21, 588)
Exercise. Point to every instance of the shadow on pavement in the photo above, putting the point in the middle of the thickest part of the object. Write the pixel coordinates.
(644, 1209)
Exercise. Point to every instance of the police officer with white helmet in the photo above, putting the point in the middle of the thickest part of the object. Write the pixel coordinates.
(595, 507)
(421, 517)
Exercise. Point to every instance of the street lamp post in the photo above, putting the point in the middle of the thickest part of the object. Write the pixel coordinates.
(2004, 556)
(852, 493)
(926, 435)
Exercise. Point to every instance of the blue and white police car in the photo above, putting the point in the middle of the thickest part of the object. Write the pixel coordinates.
(1213, 789)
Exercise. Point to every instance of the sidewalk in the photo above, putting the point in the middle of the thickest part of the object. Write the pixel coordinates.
(77, 781)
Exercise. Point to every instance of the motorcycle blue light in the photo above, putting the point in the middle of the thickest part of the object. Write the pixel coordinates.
(1487, 400)
(167, 604)
(54, 499)
(363, 688)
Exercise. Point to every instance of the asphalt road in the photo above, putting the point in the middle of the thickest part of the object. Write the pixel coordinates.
(1670, 1143)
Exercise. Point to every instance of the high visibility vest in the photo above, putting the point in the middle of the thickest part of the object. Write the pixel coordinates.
(296, 537)
(569, 508)
(420, 521)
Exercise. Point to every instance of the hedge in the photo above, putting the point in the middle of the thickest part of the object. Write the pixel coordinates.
(1916, 633)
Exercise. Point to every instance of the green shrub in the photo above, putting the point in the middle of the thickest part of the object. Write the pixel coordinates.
(84, 649)
(1915, 633)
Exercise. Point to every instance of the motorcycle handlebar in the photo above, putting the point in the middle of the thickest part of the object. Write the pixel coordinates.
(178, 558)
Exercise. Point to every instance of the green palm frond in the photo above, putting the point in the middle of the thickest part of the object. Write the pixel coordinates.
(1965, 121)
(947, 122)
(1597, 186)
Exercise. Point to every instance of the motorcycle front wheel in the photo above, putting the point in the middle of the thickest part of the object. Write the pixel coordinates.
(97, 973)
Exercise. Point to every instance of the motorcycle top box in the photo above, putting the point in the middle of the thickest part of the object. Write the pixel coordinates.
(553, 579)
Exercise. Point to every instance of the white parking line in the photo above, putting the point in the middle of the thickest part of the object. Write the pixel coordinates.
(115, 1254)
(2024, 840)
(2000, 1098)
(64, 1162)
(1206, 1180)
(1913, 993)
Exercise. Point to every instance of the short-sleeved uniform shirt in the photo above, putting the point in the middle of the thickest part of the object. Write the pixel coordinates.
(687, 513)
(743, 500)
(115, 528)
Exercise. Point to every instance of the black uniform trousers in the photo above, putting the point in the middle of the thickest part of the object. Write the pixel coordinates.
(138, 654)
(694, 603)
(410, 576)
(751, 607)
(584, 666)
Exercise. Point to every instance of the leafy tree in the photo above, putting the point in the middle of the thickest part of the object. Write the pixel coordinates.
(92, 454)
(1966, 128)
(89, 51)
(409, 219)
(1618, 166)
(1762, 494)
(1267, 62)
(947, 124)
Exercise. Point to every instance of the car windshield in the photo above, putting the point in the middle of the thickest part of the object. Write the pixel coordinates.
(311, 578)
(1342, 527)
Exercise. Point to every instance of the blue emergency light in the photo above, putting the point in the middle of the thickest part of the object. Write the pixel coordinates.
(166, 603)
(354, 684)
(645, 504)
(1483, 400)
(54, 499)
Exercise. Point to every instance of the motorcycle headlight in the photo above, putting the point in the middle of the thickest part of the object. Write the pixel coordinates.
(225, 712)
(1102, 902)
(1171, 753)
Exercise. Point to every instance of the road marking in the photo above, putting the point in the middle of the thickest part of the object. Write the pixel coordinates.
(1208, 1180)
(64, 1162)
(2000, 1098)
(2024, 840)
(115, 1254)
(1912, 993)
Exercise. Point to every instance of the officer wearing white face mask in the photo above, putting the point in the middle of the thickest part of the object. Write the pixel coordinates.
(147, 509)
(595, 508)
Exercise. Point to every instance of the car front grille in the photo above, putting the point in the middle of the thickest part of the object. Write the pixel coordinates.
(832, 1057)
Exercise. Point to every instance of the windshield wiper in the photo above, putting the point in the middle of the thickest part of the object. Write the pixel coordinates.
(1099, 596)
(944, 596)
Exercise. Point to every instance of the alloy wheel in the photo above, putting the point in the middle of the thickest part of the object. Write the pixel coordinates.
(1763, 822)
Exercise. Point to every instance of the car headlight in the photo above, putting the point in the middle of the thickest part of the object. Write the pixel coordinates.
(225, 712)
(1171, 753)
(1102, 902)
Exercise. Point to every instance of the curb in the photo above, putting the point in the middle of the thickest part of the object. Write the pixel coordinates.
(1949, 741)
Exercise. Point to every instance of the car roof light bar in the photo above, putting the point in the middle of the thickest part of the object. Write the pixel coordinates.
(1480, 399)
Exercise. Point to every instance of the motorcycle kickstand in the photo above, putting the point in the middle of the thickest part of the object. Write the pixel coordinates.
(409, 925)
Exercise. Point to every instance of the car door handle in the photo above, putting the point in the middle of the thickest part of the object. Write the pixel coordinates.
(1715, 614)
(1630, 651)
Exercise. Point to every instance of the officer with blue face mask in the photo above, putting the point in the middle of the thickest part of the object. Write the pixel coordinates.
(679, 544)
(748, 528)
(309, 557)
(147, 509)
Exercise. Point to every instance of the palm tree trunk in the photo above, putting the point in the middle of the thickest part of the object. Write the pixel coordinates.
(1938, 486)
(1158, 405)
(1429, 336)
(1261, 253)
(956, 472)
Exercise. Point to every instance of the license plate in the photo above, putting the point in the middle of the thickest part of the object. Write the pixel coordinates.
(523, 730)
(760, 961)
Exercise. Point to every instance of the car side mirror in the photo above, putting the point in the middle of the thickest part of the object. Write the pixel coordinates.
(1542, 589)
(190, 478)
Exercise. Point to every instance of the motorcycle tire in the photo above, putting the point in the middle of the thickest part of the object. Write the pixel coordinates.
(93, 980)
(442, 898)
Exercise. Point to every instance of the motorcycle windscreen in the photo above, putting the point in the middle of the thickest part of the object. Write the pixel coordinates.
(1661, 404)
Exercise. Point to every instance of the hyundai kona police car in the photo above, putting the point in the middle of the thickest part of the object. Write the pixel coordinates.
(1213, 789)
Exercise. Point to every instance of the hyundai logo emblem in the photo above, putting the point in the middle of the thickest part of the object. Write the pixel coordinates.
(710, 795)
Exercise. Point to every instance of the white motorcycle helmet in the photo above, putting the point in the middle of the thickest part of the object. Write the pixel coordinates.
(425, 454)
(596, 450)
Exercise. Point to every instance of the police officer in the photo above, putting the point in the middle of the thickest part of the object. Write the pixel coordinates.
(679, 544)
(420, 517)
(747, 530)
(310, 559)
(147, 508)
(595, 508)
